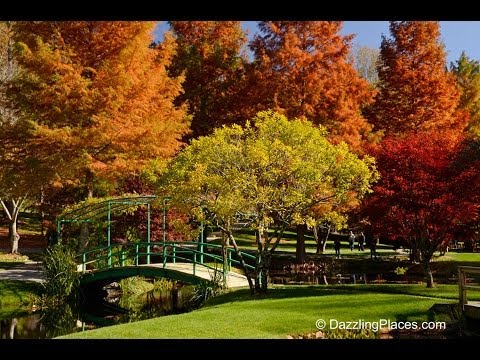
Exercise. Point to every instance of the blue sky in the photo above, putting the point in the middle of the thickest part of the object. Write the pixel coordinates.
(456, 35)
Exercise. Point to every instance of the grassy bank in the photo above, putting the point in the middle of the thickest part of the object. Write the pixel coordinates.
(285, 311)
(15, 295)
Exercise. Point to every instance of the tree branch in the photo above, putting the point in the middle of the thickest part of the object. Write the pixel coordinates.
(6, 210)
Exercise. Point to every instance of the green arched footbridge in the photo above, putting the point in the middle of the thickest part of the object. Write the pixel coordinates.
(189, 262)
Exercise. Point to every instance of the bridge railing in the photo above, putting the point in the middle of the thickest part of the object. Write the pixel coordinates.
(204, 254)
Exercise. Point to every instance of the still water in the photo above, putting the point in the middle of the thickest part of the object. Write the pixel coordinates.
(116, 308)
(112, 309)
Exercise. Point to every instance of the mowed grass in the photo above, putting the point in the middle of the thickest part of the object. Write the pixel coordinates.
(246, 241)
(15, 296)
(283, 311)
(463, 257)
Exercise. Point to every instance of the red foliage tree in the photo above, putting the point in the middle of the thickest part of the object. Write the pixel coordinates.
(421, 197)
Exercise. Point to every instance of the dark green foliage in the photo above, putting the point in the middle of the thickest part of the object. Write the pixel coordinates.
(61, 274)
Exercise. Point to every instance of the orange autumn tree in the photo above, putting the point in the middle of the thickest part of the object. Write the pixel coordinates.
(416, 92)
(209, 53)
(99, 95)
(301, 69)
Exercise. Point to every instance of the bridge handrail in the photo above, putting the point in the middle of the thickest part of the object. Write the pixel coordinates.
(170, 249)
(462, 285)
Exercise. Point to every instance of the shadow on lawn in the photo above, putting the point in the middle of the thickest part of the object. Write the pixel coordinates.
(18, 289)
(279, 293)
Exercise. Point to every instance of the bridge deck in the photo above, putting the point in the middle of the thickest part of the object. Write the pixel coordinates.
(233, 279)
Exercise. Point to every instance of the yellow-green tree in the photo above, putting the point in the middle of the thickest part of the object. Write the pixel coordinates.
(274, 168)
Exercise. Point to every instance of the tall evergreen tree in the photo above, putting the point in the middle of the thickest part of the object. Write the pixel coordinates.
(99, 98)
(416, 92)
(209, 54)
(301, 69)
(467, 73)
(99, 95)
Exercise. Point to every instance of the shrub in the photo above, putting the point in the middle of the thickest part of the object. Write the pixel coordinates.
(62, 277)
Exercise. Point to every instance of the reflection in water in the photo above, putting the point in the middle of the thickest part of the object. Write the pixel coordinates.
(67, 319)
(21, 327)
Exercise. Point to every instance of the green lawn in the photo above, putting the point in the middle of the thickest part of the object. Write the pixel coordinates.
(14, 296)
(463, 257)
(285, 311)
(246, 241)
(8, 260)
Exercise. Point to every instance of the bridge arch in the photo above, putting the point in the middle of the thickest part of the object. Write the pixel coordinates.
(107, 276)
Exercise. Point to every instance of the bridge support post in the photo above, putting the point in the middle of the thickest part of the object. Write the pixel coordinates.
(164, 255)
(164, 231)
(136, 254)
(461, 287)
(201, 242)
(224, 263)
(148, 233)
(109, 256)
(59, 224)
(194, 261)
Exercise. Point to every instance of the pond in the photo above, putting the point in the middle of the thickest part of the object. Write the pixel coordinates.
(113, 308)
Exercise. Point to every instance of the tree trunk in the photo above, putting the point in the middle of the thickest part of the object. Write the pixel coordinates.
(258, 261)
(317, 239)
(242, 261)
(13, 325)
(84, 233)
(321, 239)
(225, 256)
(414, 253)
(13, 235)
(42, 213)
(12, 209)
(264, 272)
(324, 245)
(428, 273)
(262, 263)
(300, 251)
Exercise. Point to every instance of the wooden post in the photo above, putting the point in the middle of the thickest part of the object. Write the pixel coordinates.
(462, 291)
